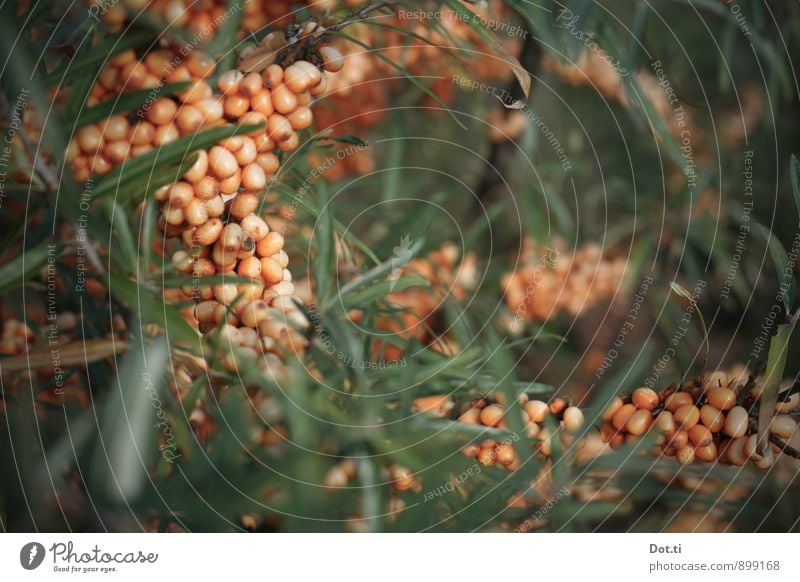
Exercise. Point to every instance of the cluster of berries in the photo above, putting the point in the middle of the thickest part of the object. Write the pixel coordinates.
(551, 280)
(711, 421)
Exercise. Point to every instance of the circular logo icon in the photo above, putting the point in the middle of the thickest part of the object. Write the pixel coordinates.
(31, 555)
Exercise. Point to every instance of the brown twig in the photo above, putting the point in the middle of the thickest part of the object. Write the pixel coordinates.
(784, 447)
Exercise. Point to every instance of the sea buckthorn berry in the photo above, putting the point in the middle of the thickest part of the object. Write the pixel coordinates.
(182, 261)
(203, 267)
(700, 436)
(173, 215)
(639, 422)
(215, 206)
(735, 453)
(611, 409)
(200, 64)
(303, 99)
(301, 118)
(282, 259)
(162, 111)
(676, 400)
(243, 205)
(470, 416)
(225, 293)
(211, 110)
(269, 162)
(665, 422)
(783, 426)
(272, 76)
(279, 129)
(505, 453)
(320, 88)
(271, 244)
(713, 418)
(706, 453)
(195, 92)
(766, 460)
(236, 105)
(208, 232)
(189, 119)
(142, 133)
(165, 134)
(115, 127)
(199, 169)
(557, 405)
(290, 144)
(264, 144)
(486, 457)
(686, 416)
(204, 311)
(254, 118)
(721, 398)
(471, 451)
(715, 380)
(283, 100)
(254, 312)
(300, 76)
(222, 162)
(117, 151)
(621, 416)
(736, 422)
(196, 212)
(572, 418)
(89, 139)
(229, 81)
(677, 440)
(262, 102)
(206, 188)
(232, 237)
(332, 58)
(271, 271)
(751, 448)
(254, 177)
(251, 85)
(686, 455)
(789, 404)
(492, 415)
(230, 185)
(537, 410)
(249, 267)
(247, 152)
(180, 194)
(255, 227)
(644, 398)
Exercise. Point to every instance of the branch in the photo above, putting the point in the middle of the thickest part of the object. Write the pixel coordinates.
(784, 447)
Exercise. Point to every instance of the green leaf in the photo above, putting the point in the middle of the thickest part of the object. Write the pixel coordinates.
(129, 425)
(794, 174)
(782, 268)
(776, 363)
(138, 170)
(225, 38)
(97, 57)
(324, 244)
(126, 102)
(25, 265)
(382, 289)
(147, 306)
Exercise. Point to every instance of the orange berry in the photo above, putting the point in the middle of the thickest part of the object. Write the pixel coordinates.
(644, 398)
(222, 162)
(686, 416)
(712, 417)
(721, 398)
(639, 422)
(492, 415)
(736, 422)
(621, 416)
